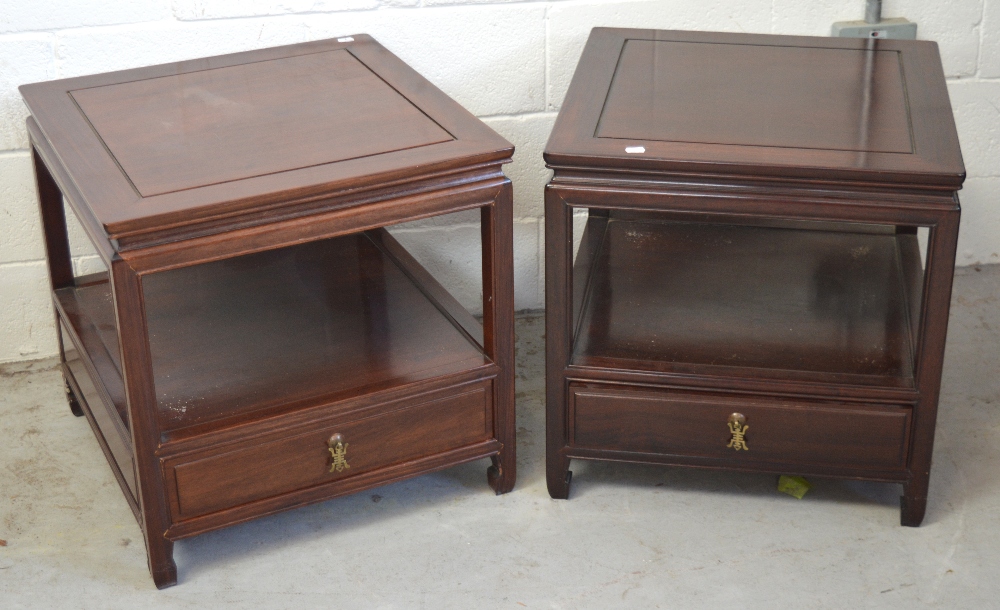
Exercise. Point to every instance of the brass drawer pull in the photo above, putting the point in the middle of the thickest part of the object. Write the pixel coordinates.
(738, 428)
(338, 453)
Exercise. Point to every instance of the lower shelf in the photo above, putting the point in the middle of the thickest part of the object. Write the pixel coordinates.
(747, 301)
(108, 424)
(273, 331)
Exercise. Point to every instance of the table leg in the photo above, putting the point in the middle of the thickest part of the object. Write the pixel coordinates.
(57, 252)
(130, 311)
(558, 338)
(498, 330)
(940, 270)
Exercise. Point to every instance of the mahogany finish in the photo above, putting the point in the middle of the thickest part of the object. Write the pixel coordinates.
(206, 99)
(826, 311)
(255, 311)
(866, 438)
(284, 463)
(753, 105)
(195, 129)
(323, 321)
(746, 112)
(749, 292)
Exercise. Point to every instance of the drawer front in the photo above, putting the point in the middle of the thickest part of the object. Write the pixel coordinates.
(301, 459)
(689, 424)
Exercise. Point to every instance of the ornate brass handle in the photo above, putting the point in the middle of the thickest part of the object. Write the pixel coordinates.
(338, 453)
(738, 428)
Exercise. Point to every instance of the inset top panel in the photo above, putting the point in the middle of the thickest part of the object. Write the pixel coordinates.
(759, 106)
(723, 94)
(211, 126)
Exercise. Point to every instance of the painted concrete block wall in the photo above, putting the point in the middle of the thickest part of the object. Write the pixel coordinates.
(507, 61)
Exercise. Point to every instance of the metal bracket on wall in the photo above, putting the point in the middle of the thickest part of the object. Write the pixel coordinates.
(873, 26)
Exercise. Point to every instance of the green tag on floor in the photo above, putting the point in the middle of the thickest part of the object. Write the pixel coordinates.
(793, 486)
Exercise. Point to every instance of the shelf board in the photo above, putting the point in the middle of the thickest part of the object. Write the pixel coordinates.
(747, 301)
(314, 322)
(96, 336)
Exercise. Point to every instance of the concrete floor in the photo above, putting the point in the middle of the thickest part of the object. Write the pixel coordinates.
(630, 536)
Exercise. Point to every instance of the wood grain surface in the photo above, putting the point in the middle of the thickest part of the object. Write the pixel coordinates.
(211, 144)
(751, 247)
(179, 132)
(254, 304)
(738, 296)
(752, 105)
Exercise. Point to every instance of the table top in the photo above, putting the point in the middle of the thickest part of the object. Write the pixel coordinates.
(174, 143)
(760, 105)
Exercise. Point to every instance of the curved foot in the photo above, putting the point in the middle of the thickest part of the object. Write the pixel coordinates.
(559, 483)
(165, 577)
(161, 564)
(160, 559)
(74, 404)
(912, 510)
(500, 478)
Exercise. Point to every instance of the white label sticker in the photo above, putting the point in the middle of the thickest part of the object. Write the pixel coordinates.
(346, 39)
(638, 150)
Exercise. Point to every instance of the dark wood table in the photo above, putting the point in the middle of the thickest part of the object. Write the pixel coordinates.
(260, 341)
(749, 291)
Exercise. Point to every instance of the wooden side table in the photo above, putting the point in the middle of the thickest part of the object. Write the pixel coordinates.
(749, 291)
(260, 341)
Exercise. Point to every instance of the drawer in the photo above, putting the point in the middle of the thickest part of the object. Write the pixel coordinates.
(690, 424)
(302, 458)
